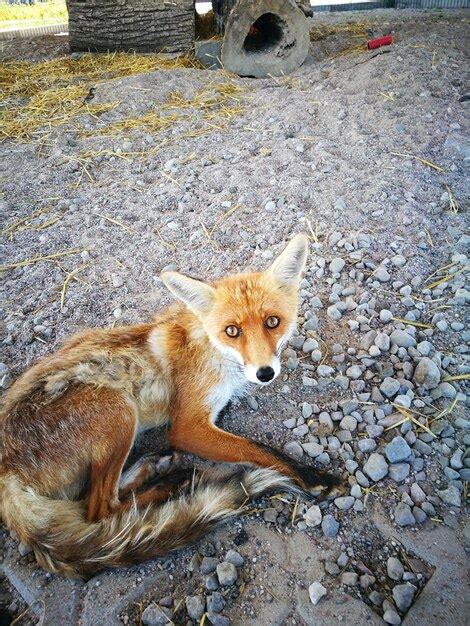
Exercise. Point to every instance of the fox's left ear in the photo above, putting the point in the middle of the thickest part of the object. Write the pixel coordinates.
(197, 296)
(289, 265)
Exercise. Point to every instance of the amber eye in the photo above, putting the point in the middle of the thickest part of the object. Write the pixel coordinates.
(272, 322)
(233, 331)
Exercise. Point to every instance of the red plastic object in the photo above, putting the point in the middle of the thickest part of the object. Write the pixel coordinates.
(381, 41)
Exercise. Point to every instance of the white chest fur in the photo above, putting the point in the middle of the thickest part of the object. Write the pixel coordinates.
(232, 384)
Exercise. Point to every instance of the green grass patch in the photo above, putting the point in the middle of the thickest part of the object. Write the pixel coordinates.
(16, 16)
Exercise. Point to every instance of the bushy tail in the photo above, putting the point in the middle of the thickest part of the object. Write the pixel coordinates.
(63, 541)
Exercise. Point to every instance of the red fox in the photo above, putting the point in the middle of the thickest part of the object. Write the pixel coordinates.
(68, 424)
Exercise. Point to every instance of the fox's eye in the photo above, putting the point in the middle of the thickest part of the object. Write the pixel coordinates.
(233, 331)
(272, 322)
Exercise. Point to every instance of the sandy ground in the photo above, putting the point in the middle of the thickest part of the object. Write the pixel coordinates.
(331, 149)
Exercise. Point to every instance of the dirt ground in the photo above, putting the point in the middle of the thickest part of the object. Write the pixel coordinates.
(367, 150)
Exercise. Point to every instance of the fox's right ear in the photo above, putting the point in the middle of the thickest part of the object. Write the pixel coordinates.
(195, 294)
(289, 265)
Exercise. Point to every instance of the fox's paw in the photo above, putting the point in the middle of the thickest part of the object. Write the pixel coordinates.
(321, 485)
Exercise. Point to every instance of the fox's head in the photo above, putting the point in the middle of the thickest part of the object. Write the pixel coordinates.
(249, 317)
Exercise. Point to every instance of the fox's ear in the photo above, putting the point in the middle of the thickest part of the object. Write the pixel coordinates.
(288, 266)
(197, 296)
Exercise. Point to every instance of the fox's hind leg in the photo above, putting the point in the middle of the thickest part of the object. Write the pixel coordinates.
(146, 468)
(109, 453)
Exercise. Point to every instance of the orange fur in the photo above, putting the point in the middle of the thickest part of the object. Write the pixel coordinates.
(68, 424)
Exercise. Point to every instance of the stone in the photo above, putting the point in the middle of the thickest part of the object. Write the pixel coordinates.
(427, 374)
(397, 450)
(235, 558)
(391, 617)
(227, 574)
(403, 596)
(395, 569)
(195, 606)
(390, 387)
(316, 591)
(399, 472)
(333, 313)
(376, 467)
(349, 578)
(381, 274)
(329, 526)
(293, 449)
(417, 494)
(208, 564)
(354, 372)
(270, 515)
(336, 265)
(451, 496)
(313, 516)
(385, 316)
(218, 620)
(402, 339)
(215, 602)
(313, 449)
(155, 615)
(344, 503)
(403, 515)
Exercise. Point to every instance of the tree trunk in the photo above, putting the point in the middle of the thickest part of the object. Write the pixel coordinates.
(222, 9)
(140, 25)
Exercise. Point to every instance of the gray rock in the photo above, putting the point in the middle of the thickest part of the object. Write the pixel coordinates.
(354, 372)
(391, 617)
(366, 580)
(211, 582)
(195, 606)
(218, 620)
(336, 265)
(313, 516)
(155, 615)
(325, 370)
(427, 374)
(399, 472)
(235, 558)
(376, 467)
(227, 574)
(395, 569)
(329, 526)
(382, 341)
(451, 495)
(403, 595)
(270, 515)
(381, 274)
(385, 316)
(333, 313)
(294, 449)
(424, 348)
(313, 449)
(402, 339)
(403, 515)
(208, 564)
(316, 591)
(417, 494)
(390, 387)
(366, 445)
(344, 503)
(349, 578)
(215, 602)
(397, 450)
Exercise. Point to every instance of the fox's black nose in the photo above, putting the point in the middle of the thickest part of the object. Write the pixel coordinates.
(265, 374)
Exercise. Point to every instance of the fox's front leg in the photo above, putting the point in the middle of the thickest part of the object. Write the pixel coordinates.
(196, 434)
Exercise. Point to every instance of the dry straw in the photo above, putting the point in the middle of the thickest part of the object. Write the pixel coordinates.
(39, 96)
(358, 31)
